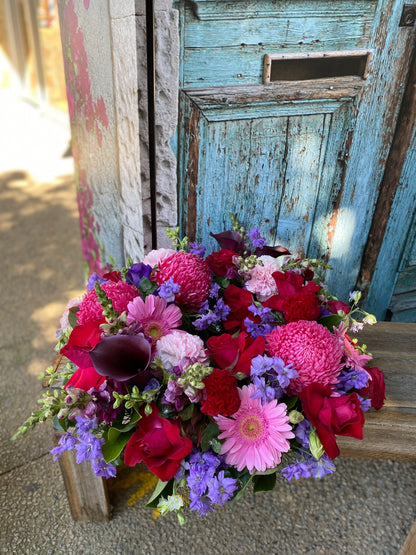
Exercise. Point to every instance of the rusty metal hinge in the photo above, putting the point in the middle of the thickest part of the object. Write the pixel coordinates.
(408, 17)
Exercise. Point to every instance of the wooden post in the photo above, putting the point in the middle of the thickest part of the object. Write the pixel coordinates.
(87, 493)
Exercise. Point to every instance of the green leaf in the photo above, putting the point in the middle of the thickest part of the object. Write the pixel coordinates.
(264, 483)
(186, 413)
(115, 444)
(330, 321)
(210, 433)
(161, 487)
(72, 316)
(291, 402)
(245, 479)
(146, 287)
(127, 427)
(59, 424)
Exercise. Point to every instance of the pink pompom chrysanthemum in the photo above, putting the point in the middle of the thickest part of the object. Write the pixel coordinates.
(119, 292)
(256, 435)
(156, 318)
(192, 275)
(261, 281)
(173, 348)
(312, 349)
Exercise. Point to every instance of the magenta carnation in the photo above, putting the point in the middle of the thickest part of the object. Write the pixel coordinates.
(119, 292)
(192, 275)
(313, 350)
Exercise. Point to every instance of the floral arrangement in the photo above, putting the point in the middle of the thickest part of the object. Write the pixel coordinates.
(213, 371)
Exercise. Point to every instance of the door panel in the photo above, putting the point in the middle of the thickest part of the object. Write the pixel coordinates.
(302, 159)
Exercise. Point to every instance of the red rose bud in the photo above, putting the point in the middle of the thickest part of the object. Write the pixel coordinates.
(332, 416)
(157, 443)
(235, 353)
(375, 389)
(238, 300)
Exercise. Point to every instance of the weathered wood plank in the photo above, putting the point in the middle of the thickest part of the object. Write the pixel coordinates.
(391, 432)
(87, 494)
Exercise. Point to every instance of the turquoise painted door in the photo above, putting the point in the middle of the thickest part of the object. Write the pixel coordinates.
(302, 158)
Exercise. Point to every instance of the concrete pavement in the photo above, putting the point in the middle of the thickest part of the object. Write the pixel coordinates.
(365, 507)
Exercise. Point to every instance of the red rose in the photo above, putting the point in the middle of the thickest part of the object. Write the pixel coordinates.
(238, 300)
(158, 443)
(221, 262)
(375, 389)
(332, 415)
(235, 353)
(221, 394)
(82, 340)
(85, 379)
(223, 350)
(248, 349)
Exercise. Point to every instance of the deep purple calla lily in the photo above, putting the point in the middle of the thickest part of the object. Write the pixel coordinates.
(229, 240)
(272, 251)
(123, 358)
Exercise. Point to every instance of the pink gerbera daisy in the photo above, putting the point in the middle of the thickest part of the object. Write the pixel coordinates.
(157, 319)
(256, 435)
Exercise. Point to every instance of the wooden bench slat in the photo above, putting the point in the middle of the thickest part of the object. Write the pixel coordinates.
(391, 432)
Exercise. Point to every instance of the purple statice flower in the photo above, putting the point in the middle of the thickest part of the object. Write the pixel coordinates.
(153, 384)
(215, 290)
(93, 279)
(221, 310)
(302, 433)
(256, 239)
(200, 503)
(199, 250)
(261, 364)
(205, 321)
(197, 479)
(65, 443)
(296, 470)
(365, 403)
(85, 425)
(264, 391)
(137, 272)
(218, 313)
(88, 448)
(255, 330)
(309, 467)
(322, 467)
(221, 489)
(352, 379)
(168, 290)
(274, 370)
(103, 469)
